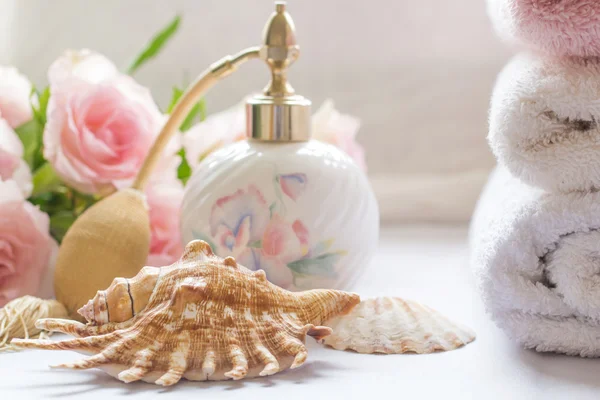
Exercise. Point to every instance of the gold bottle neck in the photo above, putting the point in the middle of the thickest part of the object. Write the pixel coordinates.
(280, 119)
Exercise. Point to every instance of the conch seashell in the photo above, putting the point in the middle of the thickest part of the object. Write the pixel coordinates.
(202, 318)
(392, 325)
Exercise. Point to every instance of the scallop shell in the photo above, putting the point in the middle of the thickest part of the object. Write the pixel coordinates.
(392, 325)
(202, 318)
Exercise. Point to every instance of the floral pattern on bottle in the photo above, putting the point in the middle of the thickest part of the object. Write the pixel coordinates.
(261, 235)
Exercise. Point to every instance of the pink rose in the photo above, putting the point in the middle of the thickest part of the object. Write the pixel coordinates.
(12, 166)
(83, 64)
(101, 124)
(15, 89)
(25, 244)
(330, 126)
(164, 201)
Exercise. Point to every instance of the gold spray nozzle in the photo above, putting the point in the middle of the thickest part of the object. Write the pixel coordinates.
(278, 114)
(279, 50)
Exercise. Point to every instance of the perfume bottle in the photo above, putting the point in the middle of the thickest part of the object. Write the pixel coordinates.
(299, 209)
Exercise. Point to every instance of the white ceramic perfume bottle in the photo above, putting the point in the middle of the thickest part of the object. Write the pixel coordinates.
(297, 208)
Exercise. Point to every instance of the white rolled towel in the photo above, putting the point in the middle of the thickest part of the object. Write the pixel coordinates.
(536, 257)
(544, 122)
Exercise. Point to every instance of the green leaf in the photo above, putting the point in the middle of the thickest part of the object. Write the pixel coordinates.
(45, 180)
(202, 110)
(43, 98)
(60, 224)
(30, 134)
(272, 209)
(184, 171)
(257, 244)
(53, 202)
(174, 99)
(81, 202)
(155, 45)
(322, 265)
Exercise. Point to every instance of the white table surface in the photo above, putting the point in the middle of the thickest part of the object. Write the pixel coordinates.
(428, 264)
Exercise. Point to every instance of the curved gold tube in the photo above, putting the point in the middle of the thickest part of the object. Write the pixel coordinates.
(192, 95)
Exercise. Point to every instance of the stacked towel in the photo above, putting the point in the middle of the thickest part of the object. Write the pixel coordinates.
(536, 256)
(544, 121)
(535, 235)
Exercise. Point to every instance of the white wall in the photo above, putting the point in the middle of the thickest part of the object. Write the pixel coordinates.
(418, 73)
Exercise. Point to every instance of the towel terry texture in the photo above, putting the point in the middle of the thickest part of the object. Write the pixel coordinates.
(544, 121)
(535, 234)
(536, 256)
(555, 27)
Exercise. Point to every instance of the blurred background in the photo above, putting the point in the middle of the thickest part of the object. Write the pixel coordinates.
(417, 73)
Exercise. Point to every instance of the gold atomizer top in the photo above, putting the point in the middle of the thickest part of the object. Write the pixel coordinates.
(278, 114)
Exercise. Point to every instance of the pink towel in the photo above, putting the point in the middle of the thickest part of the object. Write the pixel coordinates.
(555, 27)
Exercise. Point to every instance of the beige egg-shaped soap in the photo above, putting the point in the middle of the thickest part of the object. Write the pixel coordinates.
(95, 250)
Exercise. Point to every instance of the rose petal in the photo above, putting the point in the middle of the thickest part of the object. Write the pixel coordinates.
(83, 64)
(9, 141)
(164, 201)
(25, 244)
(330, 126)
(8, 164)
(15, 89)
